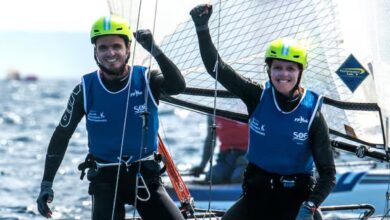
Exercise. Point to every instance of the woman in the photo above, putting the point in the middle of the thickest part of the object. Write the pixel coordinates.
(287, 137)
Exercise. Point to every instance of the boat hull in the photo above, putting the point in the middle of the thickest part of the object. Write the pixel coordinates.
(352, 187)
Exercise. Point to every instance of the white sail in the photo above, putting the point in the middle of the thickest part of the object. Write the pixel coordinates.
(366, 32)
(241, 31)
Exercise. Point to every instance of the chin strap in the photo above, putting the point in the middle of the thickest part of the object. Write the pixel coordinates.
(296, 87)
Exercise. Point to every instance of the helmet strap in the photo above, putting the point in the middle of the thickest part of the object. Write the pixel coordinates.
(296, 87)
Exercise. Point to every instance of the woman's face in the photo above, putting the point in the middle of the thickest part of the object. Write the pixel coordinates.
(284, 75)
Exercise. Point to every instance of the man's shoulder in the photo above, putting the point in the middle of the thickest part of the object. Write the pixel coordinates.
(139, 67)
(78, 89)
(89, 74)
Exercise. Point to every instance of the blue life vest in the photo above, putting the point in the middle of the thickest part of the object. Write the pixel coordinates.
(105, 116)
(279, 141)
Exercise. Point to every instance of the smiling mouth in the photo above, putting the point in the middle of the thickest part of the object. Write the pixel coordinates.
(283, 81)
(111, 60)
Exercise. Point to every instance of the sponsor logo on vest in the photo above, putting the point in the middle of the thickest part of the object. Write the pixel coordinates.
(301, 120)
(96, 117)
(300, 136)
(136, 93)
(139, 109)
(255, 126)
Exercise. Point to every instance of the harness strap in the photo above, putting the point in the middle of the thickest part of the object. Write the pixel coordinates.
(257, 176)
(90, 162)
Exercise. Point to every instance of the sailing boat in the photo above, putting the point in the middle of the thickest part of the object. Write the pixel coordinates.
(242, 30)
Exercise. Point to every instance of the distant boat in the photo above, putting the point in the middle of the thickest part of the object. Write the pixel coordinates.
(15, 75)
(30, 78)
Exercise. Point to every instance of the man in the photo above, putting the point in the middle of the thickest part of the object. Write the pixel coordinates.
(231, 162)
(120, 105)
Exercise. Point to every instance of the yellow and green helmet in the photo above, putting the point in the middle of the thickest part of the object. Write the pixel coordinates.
(287, 49)
(111, 25)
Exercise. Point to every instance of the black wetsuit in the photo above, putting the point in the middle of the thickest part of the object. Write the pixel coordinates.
(102, 186)
(281, 205)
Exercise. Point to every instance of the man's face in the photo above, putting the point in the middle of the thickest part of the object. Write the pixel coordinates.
(112, 52)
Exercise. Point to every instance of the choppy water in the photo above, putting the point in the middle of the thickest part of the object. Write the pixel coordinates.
(29, 112)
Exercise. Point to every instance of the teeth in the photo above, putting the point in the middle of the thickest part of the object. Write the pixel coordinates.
(111, 60)
(283, 81)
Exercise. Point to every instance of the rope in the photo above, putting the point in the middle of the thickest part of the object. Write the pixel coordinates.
(177, 182)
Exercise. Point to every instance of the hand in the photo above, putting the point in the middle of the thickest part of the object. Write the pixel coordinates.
(201, 14)
(145, 38)
(196, 171)
(305, 213)
(45, 196)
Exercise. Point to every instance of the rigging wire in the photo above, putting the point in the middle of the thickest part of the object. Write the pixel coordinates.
(387, 194)
(214, 126)
(112, 9)
(145, 114)
(215, 95)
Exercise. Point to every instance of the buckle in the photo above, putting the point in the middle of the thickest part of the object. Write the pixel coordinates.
(310, 205)
(287, 183)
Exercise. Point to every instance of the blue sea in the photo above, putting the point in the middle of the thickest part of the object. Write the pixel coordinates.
(29, 113)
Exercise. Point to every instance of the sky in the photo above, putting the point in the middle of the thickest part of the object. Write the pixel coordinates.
(50, 38)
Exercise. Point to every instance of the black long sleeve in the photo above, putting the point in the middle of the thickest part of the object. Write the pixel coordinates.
(58, 144)
(228, 77)
(169, 82)
(323, 159)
